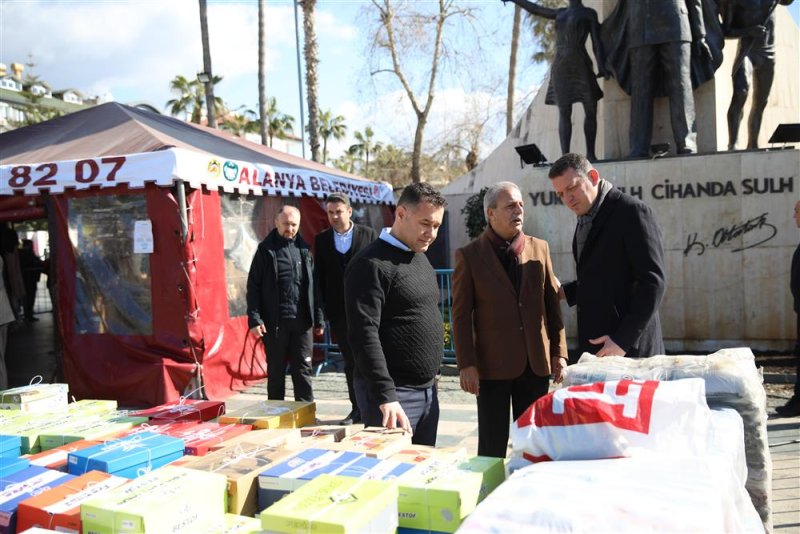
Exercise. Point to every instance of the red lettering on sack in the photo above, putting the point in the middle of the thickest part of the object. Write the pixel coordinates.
(626, 404)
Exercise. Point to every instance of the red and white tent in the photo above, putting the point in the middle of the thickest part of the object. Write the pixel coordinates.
(153, 223)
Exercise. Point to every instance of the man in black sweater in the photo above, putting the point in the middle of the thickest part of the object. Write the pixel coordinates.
(333, 250)
(281, 307)
(394, 322)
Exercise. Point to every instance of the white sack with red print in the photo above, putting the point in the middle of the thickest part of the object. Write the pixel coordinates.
(619, 418)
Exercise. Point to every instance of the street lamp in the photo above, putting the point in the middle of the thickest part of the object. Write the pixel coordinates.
(203, 77)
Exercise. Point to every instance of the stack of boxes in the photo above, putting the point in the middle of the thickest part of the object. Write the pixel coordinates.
(190, 466)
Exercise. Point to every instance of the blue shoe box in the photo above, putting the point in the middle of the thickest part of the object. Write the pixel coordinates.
(292, 473)
(10, 446)
(21, 485)
(10, 465)
(129, 457)
(375, 469)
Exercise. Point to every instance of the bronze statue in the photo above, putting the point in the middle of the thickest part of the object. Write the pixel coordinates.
(572, 78)
(662, 47)
(752, 22)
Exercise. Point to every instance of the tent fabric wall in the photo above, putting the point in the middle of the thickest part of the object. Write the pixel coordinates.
(193, 339)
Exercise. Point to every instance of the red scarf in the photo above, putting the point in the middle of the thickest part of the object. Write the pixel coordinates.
(509, 253)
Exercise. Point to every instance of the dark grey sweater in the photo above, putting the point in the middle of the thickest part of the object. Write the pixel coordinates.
(393, 318)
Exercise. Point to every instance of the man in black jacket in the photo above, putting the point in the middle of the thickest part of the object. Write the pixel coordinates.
(620, 263)
(333, 249)
(281, 305)
(394, 322)
(792, 407)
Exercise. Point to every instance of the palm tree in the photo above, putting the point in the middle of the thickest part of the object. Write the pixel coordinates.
(347, 161)
(512, 70)
(279, 124)
(262, 95)
(365, 146)
(191, 98)
(310, 53)
(209, 85)
(329, 126)
(240, 123)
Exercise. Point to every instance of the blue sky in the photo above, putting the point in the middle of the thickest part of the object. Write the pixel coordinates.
(131, 49)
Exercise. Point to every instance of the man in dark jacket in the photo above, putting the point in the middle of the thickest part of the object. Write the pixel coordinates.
(620, 264)
(792, 407)
(281, 305)
(32, 267)
(333, 249)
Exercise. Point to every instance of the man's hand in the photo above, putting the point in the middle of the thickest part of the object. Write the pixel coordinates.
(703, 50)
(319, 330)
(561, 294)
(557, 366)
(609, 348)
(394, 416)
(258, 331)
(470, 381)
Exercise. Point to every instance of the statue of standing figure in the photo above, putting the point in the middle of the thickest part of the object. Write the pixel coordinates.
(752, 22)
(572, 78)
(662, 48)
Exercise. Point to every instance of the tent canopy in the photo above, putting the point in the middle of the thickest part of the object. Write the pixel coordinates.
(112, 143)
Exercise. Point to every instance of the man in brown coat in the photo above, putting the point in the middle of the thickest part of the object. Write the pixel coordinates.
(507, 327)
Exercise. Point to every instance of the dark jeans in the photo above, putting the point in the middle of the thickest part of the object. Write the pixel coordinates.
(420, 405)
(494, 400)
(797, 355)
(339, 329)
(293, 341)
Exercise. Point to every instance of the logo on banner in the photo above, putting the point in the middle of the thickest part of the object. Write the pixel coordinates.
(376, 190)
(230, 171)
(213, 168)
(626, 404)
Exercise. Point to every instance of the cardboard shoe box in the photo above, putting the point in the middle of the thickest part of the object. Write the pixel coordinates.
(289, 475)
(240, 464)
(59, 508)
(377, 442)
(334, 504)
(17, 487)
(273, 414)
(185, 410)
(128, 457)
(167, 500)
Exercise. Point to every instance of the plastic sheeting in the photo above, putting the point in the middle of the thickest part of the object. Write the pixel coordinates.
(732, 381)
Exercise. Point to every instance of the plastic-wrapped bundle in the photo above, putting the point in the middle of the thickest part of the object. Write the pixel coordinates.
(617, 418)
(732, 381)
(644, 494)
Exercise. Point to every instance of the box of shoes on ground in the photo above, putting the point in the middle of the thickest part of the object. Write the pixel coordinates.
(240, 464)
(17, 487)
(334, 504)
(199, 437)
(235, 524)
(419, 454)
(60, 507)
(273, 414)
(292, 473)
(316, 436)
(442, 493)
(57, 458)
(10, 465)
(35, 398)
(377, 442)
(185, 410)
(10, 446)
(170, 499)
(95, 428)
(128, 457)
(275, 437)
(375, 469)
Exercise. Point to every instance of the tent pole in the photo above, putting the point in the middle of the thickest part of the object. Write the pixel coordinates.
(182, 206)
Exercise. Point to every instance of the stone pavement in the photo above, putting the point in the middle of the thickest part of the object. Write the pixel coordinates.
(458, 425)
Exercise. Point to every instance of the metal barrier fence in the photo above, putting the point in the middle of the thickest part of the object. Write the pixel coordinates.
(332, 356)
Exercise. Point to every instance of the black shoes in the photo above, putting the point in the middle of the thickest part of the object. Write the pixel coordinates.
(351, 419)
(790, 409)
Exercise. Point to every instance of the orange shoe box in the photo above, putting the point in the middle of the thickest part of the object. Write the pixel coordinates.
(57, 458)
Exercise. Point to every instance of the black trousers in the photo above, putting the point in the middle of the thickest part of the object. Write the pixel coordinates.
(797, 355)
(292, 342)
(420, 405)
(494, 400)
(339, 329)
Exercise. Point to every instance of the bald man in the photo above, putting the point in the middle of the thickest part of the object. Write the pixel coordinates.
(281, 308)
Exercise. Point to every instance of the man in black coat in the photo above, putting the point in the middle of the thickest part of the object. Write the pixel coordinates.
(792, 407)
(281, 305)
(620, 263)
(333, 249)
